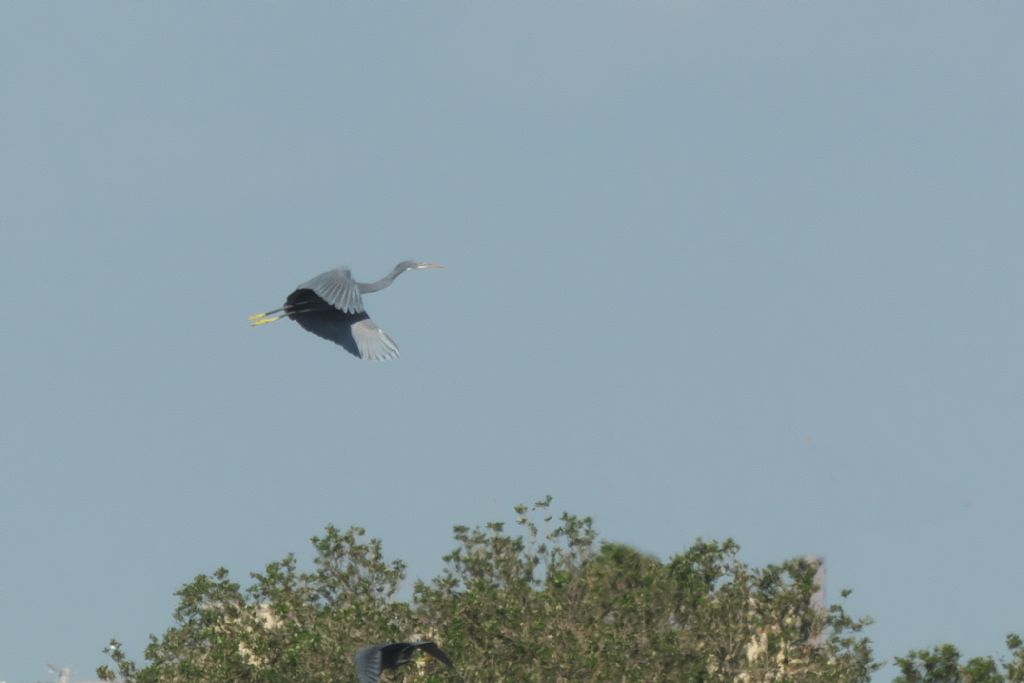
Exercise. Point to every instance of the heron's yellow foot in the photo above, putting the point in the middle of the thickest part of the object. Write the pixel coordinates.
(262, 319)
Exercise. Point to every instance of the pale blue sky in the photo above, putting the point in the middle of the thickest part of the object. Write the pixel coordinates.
(715, 269)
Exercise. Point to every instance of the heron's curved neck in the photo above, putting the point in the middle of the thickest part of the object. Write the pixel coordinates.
(367, 287)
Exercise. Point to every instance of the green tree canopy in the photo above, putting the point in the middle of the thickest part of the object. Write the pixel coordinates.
(547, 602)
(942, 664)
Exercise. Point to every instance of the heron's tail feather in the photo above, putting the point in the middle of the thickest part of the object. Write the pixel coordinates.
(264, 318)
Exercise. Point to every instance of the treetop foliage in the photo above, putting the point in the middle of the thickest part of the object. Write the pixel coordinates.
(547, 602)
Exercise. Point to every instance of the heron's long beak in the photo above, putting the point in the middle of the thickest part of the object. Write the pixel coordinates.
(420, 266)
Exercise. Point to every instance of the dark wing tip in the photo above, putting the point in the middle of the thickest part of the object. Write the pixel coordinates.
(431, 648)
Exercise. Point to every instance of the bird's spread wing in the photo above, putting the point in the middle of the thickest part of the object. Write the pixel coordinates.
(338, 289)
(373, 343)
(354, 332)
(431, 648)
(368, 664)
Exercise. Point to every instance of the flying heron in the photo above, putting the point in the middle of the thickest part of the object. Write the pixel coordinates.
(331, 306)
(370, 661)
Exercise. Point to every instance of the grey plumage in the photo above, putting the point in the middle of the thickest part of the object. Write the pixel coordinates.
(338, 288)
(330, 306)
(371, 661)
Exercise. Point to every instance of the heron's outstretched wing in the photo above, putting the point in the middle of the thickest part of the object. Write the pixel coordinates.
(368, 661)
(373, 343)
(354, 332)
(431, 648)
(338, 289)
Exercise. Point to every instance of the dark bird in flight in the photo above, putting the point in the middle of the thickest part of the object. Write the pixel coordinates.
(370, 661)
(331, 306)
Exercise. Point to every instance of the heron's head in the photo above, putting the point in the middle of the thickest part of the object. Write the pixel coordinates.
(418, 265)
